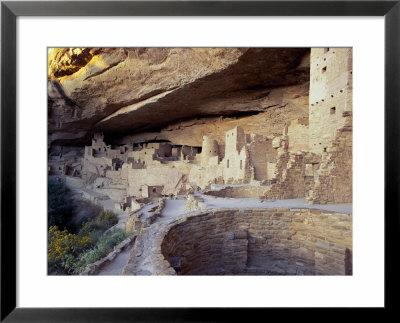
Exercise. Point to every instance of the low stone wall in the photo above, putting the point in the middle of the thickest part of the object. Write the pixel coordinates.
(156, 213)
(95, 268)
(257, 242)
(242, 191)
(135, 222)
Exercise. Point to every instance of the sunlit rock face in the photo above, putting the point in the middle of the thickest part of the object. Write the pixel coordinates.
(146, 91)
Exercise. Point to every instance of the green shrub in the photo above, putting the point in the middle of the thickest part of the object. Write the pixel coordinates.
(63, 248)
(90, 229)
(107, 219)
(74, 238)
(103, 247)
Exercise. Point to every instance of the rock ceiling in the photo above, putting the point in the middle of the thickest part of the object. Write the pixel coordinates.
(135, 90)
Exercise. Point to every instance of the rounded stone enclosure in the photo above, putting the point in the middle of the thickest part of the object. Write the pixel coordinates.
(260, 242)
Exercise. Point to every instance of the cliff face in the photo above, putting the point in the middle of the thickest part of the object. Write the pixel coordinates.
(155, 93)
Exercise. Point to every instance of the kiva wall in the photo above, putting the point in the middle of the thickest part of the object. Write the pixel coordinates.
(255, 241)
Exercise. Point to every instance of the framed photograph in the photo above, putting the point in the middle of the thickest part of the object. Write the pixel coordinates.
(186, 160)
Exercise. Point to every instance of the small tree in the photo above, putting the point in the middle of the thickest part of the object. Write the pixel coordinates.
(59, 204)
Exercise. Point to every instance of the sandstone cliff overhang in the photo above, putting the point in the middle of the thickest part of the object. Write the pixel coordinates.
(131, 90)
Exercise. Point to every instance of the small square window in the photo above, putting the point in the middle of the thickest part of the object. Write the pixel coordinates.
(333, 110)
(324, 69)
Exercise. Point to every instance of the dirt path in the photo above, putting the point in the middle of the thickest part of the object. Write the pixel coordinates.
(115, 267)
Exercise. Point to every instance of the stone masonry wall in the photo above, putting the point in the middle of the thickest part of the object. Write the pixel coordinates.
(257, 241)
(203, 177)
(331, 93)
(210, 150)
(260, 153)
(153, 176)
(236, 167)
(298, 133)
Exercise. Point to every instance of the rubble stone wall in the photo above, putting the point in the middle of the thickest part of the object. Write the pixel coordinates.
(334, 179)
(290, 183)
(243, 191)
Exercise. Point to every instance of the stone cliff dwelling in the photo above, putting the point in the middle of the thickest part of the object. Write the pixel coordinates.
(219, 161)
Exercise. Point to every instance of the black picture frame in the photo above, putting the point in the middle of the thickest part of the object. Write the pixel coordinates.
(10, 10)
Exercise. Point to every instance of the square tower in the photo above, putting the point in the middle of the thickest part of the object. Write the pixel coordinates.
(98, 141)
(235, 139)
(331, 94)
(236, 158)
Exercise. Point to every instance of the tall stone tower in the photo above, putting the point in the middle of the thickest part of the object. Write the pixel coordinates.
(331, 93)
(235, 139)
(209, 152)
(236, 158)
(330, 124)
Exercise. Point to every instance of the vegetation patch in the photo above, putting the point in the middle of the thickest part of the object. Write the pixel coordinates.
(77, 240)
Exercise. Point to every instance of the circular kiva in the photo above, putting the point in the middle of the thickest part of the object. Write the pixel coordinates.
(260, 242)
